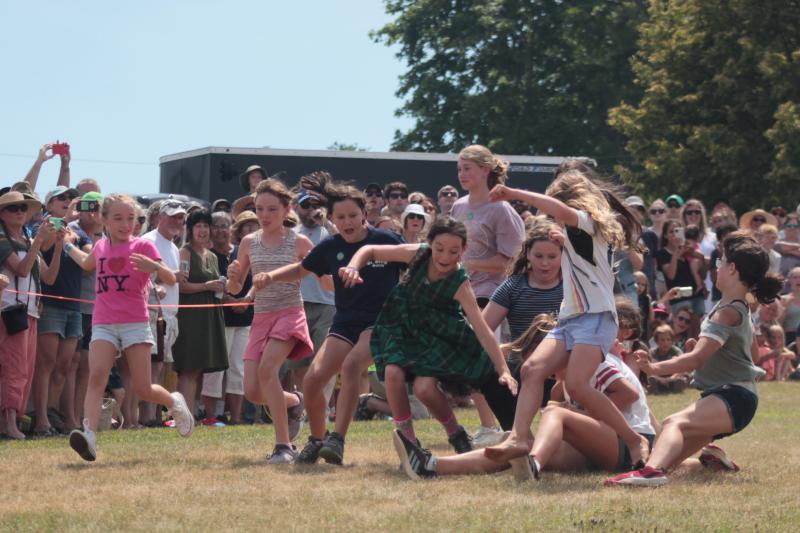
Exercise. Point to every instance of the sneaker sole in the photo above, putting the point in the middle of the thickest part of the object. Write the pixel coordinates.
(405, 464)
(330, 456)
(81, 446)
(718, 464)
(522, 469)
(639, 482)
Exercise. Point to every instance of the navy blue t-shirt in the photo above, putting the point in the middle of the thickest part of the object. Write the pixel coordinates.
(70, 275)
(363, 302)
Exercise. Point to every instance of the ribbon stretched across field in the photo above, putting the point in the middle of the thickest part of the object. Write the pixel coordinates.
(153, 306)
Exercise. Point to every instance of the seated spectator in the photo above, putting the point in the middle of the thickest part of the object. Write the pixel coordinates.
(665, 349)
(681, 322)
(780, 356)
(447, 196)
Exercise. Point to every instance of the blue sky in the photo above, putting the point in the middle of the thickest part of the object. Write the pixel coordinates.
(125, 83)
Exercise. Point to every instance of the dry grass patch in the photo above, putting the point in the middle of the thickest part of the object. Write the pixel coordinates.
(218, 480)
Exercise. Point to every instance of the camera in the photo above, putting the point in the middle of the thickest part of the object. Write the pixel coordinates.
(88, 206)
(60, 148)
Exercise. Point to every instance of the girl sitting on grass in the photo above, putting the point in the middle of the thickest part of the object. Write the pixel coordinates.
(431, 329)
(120, 323)
(722, 362)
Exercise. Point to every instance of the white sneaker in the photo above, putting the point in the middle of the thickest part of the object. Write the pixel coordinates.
(488, 437)
(184, 421)
(283, 454)
(84, 442)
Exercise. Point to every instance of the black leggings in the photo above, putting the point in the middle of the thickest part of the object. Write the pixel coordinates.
(504, 404)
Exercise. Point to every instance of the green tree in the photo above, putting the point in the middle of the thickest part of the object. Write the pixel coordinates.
(719, 116)
(520, 76)
(347, 147)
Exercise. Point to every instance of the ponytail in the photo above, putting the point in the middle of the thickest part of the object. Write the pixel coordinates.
(752, 262)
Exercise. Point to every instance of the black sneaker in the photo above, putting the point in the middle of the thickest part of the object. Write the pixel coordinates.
(310, 452)
(415, 461)
(332, 449)
(362, 411)
(460, 441)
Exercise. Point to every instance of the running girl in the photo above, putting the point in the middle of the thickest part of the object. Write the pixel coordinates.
(594, 220)
(120, 322)
(422, 334)
(346, 349)
(279, 329)
(722, 363)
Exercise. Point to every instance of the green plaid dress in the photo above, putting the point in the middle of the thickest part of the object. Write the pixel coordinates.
(422, 329)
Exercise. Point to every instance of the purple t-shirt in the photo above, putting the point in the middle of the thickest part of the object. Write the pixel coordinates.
(492, 228)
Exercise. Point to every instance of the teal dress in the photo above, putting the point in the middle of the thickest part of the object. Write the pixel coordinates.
(422, 329)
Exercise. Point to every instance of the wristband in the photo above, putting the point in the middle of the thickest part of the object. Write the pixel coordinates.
(68, 247)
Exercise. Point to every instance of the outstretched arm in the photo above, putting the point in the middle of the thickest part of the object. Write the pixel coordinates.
(557, 209)
(391, 253)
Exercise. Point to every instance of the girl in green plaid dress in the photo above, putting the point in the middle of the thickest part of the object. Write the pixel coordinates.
(431, 329)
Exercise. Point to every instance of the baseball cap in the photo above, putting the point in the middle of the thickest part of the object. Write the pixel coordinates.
(172, 207)
(675, 197)
(634, 201)
(58, 191)
(92, 196)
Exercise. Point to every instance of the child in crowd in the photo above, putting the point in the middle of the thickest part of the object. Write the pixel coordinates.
(779, 358)
(431, 330)
(346, 348)
(594, 220)
(665, 350)
(767, 236)
(645, 303)
(120, 323)
(791, 305)
(279, 330)
(722, 361)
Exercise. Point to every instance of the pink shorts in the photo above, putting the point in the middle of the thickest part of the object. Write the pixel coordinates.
(281, 325)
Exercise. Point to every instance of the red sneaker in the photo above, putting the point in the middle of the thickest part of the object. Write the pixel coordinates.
(716, 459)
(215, 422)
(644, 477)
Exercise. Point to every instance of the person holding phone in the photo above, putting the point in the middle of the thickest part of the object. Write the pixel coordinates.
(672, 261)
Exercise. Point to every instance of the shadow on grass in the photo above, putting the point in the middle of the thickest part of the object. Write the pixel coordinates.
(128, 463)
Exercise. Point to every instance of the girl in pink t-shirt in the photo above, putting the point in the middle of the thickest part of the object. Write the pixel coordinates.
(120, 323)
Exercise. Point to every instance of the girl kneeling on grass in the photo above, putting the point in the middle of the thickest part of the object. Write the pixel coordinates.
(722, 363)
(120, 322)
(279, 329)
(594, 220)
(431, 329)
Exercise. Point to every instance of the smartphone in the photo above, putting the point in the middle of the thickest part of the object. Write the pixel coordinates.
(88, 206)
(680, 234)
(57, 223)
(685, 292)
(185, 267)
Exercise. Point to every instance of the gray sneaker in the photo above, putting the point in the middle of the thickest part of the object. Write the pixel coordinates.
(84, 442)
(184, 421)
(283, 454)
(295, 415)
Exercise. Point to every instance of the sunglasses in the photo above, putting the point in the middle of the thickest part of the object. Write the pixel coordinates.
(397, 195)
(448, 194)
(19, 208)
(172, 203)
(308, 204)
(693, 212)
(416, 216)
(792, 226)
(673, 205)
(683, 319)
(759, 219)
(657, 211)
(63, 198)
(374, 194)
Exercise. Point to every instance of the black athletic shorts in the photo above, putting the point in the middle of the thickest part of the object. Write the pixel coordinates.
(741, 403)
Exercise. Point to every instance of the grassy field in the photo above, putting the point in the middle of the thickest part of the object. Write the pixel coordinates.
(217, 480)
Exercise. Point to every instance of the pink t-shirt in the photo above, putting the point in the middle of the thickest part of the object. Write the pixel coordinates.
(121, 290)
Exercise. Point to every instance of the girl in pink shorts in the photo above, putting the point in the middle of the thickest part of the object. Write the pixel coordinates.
(279, 329)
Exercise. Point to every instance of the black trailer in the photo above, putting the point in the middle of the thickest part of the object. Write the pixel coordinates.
(213, 172)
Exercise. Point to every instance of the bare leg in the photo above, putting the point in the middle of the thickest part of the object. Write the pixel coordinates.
(138, 357)
(60, 375)
(474, 462)
(356, 362)
(593, 439)
(67, 404)
(187, 385)
(101, 359)
(687, 431)
(235, 402)
(582, 364)
(549, 357)
(427, 391)
(396, 393)
(485, 413)
(147, 410)
(81, 382)
(275, 353)
(324, 367)
(45, 363)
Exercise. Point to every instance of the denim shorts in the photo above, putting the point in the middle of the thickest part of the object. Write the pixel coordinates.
(741, 403)
(123, 335)
(594, 329)
(65, 322)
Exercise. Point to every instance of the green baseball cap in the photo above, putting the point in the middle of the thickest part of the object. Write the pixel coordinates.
(92, 196)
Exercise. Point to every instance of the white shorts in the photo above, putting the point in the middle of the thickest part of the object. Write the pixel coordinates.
(236, 340)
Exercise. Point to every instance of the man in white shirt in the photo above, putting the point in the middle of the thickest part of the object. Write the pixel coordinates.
(171, 219)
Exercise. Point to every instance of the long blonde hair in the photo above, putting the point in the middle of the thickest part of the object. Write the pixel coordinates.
(582, 190)
(484, 157)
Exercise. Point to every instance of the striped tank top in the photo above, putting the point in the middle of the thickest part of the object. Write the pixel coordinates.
(277, 295)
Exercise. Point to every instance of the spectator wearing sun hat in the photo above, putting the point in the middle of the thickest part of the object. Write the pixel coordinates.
(752, 220)
(251, 177)
(415, 223)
